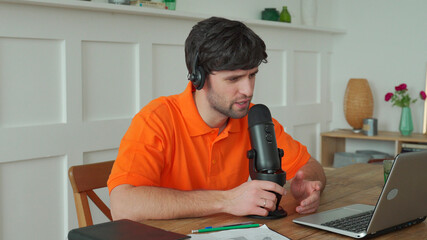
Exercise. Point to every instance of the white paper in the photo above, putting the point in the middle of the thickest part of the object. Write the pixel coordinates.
(259, 233)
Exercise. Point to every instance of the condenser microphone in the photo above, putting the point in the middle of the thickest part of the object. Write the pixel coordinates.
(265, 157)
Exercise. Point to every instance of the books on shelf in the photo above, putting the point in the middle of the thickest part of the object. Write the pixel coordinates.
(414, 147)
(142, 3)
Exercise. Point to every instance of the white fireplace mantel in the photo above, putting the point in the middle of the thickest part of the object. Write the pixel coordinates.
(125, 9)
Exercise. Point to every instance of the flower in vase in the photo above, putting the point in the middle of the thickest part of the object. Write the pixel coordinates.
(401, 96)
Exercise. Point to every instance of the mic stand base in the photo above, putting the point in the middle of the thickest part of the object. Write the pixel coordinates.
(276, 214)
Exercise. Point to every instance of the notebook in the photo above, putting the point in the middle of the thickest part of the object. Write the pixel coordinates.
(122, 230)
(402, 203)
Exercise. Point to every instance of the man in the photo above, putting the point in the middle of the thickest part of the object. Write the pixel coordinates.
(185, 155)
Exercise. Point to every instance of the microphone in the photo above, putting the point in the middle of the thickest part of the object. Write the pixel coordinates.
(265, 158)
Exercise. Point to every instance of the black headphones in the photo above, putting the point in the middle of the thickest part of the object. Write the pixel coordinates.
(197, 75)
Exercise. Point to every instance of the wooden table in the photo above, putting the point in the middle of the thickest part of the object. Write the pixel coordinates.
(359, 183)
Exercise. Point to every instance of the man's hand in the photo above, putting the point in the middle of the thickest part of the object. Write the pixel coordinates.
(306, 192)
(253, 198)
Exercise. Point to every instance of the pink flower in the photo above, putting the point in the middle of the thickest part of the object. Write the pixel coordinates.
(401, 97)
(401, 87)
(388, 96)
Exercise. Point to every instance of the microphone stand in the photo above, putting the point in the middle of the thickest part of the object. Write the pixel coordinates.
(277, 176)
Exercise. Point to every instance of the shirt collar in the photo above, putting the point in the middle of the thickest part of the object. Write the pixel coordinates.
(194, 121)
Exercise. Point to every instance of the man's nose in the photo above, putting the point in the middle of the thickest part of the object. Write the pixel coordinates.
(247, 86)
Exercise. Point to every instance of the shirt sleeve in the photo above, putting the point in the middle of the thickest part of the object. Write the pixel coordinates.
(141, 156)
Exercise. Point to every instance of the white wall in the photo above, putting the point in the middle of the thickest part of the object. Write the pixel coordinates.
(386, 42)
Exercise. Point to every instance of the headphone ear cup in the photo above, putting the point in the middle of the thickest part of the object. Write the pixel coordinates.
(200, 78)
(197, 77)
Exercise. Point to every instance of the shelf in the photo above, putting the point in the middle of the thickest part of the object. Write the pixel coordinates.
(382, 136)
(334, 141)
(153, 12)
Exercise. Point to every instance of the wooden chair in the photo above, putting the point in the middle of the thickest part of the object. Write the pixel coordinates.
(84, 179)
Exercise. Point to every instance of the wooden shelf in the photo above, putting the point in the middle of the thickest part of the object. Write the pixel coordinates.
(334, 141)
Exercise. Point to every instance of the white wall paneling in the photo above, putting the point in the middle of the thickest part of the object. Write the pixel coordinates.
(270, 85)
(109, 76)
(24, 102)
(33, 198)
(169, 69)
(307, 79)
(295, 82)
(73, 74)
(309, 135)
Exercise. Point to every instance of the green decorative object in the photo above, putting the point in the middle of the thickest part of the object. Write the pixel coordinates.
(270, 14)
(284, 15)
(406, 126)
(170, 4)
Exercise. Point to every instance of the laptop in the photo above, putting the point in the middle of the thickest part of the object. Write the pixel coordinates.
(402, 203)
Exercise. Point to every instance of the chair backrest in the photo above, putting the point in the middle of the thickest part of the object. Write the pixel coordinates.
(84, 179)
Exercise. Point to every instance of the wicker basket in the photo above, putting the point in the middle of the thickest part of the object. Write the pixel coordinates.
(358, 102)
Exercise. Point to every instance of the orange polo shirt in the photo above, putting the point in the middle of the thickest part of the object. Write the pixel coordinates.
(169, 145)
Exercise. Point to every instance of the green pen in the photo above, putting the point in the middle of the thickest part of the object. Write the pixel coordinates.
(225, 228)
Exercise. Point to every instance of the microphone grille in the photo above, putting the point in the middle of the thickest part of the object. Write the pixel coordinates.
(259, 113)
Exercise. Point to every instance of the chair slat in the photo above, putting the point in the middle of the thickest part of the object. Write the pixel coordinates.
(100, 204)
(84, 179)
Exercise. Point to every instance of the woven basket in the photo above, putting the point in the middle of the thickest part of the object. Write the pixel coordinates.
(358, 102)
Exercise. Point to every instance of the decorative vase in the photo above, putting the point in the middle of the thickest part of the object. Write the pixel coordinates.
(284, 15)
(309, 12)
(405, 125)
(270, 14)
(358, 103)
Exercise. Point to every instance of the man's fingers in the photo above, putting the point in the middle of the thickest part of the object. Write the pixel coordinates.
(260, 212)
(302, 210)
(270, 186)
(313, 197)
(267, 195)
(309, 204)
(269, 205)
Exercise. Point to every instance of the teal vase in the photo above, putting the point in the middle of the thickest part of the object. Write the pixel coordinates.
(406, 126)
(284, 15)
(270, 14)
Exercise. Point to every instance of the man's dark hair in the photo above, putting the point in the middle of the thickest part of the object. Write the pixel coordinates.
(222, 44)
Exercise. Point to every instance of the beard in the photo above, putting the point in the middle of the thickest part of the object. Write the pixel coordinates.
(225, 107)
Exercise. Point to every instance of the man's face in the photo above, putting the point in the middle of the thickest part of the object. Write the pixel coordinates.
(230, 92)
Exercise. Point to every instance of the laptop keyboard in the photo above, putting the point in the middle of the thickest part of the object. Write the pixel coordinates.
(355, 223)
